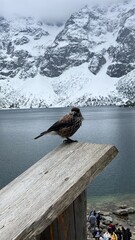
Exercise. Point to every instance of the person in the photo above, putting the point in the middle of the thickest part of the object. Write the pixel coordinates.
(128, 234)
(112, 227)
(119, 233)
(97, 233)
(98, 218)
(92, 220)
(101, 236)
(106, 235)
(113, 236)
(123, 233)
(92, 212)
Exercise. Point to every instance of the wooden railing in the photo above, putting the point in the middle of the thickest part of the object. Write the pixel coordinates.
(48, 201)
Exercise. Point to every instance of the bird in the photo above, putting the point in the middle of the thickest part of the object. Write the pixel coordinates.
(66, 126)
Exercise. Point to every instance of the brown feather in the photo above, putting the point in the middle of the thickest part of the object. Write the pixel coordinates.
(67, 125)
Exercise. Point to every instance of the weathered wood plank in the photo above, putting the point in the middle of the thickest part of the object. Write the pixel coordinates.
(71, 224)
(80, 217)
(33, 200)
(65, 220)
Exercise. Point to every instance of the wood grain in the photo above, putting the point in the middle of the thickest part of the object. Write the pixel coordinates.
(71, 224)
(37, 197)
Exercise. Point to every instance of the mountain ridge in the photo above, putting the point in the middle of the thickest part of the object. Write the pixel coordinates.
(89, 60)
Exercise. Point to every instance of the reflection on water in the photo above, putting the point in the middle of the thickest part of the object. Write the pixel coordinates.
(110, 125)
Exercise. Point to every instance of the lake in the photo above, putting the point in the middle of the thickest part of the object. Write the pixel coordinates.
(109, 125)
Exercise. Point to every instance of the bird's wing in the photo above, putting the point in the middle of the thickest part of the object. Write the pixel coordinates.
(66, 121)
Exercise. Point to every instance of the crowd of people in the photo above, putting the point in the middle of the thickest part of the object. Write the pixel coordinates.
(111, 232)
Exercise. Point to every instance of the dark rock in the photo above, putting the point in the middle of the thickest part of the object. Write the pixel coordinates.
(21, 41)
(119, 69)
(126, 15)
(56, 60)
(38, 36)
(10, 48)
(8, 68)
(3, 64)
(22, 57)
(21, 62)
(31, 31)
(39, 33)
(111, 51)
(21, 53)
(28, 30)
(123, 35)
(96, 62)
(126, 87)
(29, 70)
(11, 65)
(4, 25)
(123, 54)
(7, 73)
(129, 103)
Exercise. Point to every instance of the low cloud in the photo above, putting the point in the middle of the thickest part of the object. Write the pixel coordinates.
(49, 9)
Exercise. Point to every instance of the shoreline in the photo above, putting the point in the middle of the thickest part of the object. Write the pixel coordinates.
(111, 200)
(108, 205)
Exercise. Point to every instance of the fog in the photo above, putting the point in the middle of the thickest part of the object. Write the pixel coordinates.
(49, 9)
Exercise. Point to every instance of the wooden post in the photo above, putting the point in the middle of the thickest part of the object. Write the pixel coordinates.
(48, 200)
(71, 224)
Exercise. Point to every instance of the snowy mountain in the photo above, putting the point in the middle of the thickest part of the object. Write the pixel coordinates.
(88, 60)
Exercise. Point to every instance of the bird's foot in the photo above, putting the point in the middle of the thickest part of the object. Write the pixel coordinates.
(69, 140)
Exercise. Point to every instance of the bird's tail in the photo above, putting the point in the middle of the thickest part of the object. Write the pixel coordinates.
(41, 134)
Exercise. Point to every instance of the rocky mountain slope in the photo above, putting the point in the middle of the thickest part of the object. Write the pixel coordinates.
(89, 60)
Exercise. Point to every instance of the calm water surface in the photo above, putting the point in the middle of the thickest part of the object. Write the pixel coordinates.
(110, 125)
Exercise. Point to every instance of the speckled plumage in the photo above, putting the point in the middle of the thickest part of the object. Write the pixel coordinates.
(67, 125)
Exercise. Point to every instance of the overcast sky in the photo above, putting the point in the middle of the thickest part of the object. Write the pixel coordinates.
(52, 9)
